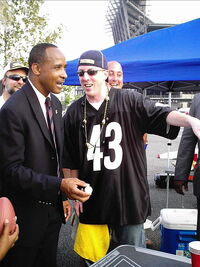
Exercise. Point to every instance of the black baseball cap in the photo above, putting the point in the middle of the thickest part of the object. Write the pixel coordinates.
(93, 58)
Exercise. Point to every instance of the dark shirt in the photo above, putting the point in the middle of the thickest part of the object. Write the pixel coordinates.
(117, 173)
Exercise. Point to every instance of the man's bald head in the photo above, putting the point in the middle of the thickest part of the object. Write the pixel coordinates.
(115, 74)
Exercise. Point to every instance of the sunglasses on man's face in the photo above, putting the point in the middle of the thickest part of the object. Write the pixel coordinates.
(90, 72)
(16, 77)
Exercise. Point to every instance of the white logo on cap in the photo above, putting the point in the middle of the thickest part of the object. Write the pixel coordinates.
(89, 61)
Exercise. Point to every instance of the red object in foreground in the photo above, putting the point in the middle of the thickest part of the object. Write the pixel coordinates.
(195, 260)
(194, 248)
(7, 212)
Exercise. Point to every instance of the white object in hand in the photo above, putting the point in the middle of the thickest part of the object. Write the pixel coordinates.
(88, 189)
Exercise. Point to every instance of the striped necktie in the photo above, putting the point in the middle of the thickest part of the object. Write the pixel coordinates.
(50, 119)
(50, 123)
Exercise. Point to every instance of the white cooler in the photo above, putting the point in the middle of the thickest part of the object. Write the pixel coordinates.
(178, 229)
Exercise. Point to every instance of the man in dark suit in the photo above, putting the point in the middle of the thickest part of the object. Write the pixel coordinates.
(185, 158)
(30, 161)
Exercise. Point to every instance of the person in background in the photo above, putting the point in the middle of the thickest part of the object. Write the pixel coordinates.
(7, 239)
(115, 74)
(184, 161)
(103, 143)
(31, 144)
(15, 76)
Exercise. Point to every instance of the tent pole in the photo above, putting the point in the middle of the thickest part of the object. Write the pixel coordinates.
(170, 99)
(168, 151)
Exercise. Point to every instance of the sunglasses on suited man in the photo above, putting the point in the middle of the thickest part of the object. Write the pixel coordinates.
(90, 72)
(16, 77)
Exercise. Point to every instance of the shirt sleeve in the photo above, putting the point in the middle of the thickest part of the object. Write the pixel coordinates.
(152, 118)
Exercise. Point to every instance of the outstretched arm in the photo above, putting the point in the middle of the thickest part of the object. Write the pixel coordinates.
(179, 119)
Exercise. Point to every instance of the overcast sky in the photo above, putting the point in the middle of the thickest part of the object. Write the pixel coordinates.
(172, 11)
(86, 25)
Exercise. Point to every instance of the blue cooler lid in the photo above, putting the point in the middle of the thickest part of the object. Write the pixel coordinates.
(179, 219)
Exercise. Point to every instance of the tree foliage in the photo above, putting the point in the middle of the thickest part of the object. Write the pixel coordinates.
(69, 95)
(21, 27)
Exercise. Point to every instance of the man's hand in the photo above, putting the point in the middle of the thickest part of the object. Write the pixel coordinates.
(70, 187)
(7, 240)
(179, 185)
(78, 207)
(67, 209)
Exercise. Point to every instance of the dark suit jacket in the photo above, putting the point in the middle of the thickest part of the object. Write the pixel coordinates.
(28, 162)
(187, 148)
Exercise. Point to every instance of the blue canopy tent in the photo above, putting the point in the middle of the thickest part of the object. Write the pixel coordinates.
(166, 59)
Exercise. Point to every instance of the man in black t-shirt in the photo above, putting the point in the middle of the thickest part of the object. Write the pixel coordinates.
(104, 146)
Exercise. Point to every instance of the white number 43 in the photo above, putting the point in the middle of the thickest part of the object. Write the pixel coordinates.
(94, 152)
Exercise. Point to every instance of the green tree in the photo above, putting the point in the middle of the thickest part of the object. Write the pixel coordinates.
(21, 27)
(69, 95)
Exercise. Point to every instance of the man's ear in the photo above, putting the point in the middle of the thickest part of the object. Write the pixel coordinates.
(3, 82)
(35, 68)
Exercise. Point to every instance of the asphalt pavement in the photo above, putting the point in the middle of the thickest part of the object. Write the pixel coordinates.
(68, 258)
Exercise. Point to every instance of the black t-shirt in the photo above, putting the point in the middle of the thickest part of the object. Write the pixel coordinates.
(117, 169)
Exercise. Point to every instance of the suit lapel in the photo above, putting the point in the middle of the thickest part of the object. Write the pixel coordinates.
(35, 106)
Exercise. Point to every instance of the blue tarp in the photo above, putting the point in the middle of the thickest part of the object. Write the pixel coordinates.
(169, 54)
